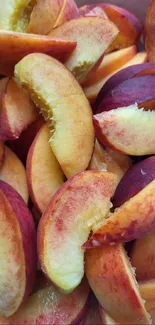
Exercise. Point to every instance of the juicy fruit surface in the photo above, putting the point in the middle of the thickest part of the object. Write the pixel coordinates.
(78, 207)
(64, 106)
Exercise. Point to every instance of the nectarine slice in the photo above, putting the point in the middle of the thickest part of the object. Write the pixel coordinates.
(13, 172)
(149, 32)
(17, 111)
(143, 257)
(44, 173)
(112, 280)
(127, 129)
(18, 250)
(135, 179)
(21, 44)
(65, 107)
(48, 306)
(78, 207)
(93, 36)
(128, 222)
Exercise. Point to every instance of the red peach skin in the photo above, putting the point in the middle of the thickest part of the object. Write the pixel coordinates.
(18, 250)
(112, 280)
(149, 32)
(21, 44)
(128, 222)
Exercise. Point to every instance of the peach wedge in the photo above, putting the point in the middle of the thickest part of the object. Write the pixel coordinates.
(18, 250)
(112, 280)
(48, 306)
(44, 174)
(127, 129)
(78, 207)
(17, 110)
(93, 36)
(13, 172)
(128, 222)
(21, 44)
(69, 116)
(53, 13)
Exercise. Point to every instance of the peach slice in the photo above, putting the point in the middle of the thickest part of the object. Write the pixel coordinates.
(147, 290)
(13, 172)
(98, 161)
(136, 66)
(112, 280)
(93, 36)
(93, 315)
(110, 63)
(135, 179)
(18, 250)
(97, 90)
(128, 222)
(69, 116)
(48, 306)
(149, 32)
(53, 13)
(141, 90)
(127, 129)
(44, 174)
(143, 257)
(20, 44)
(17, 111)
(84, 200)
(22, 145)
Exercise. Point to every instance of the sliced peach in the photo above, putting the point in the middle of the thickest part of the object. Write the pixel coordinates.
(135, 179)
(93, 10)
(84, 200)
(18, 250)
(69, 116)
(143, 257)
(98, 161)
(52, 14)
(93, 36)
(127, 129)
(101, 87)
(93, 315)
(128, 222)
(17, 111)
(136, 65)
(149, 32)
(13, 172)
(20, 44)
(44, 173)
(22, 145)
(147, 290)
(48, 306)
(112, 280)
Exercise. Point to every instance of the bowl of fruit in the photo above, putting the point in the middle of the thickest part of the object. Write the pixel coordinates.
(77, 162)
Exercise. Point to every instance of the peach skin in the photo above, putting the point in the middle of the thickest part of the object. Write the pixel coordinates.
(44, 174)
(93, 36)
(149, 32)
(84, 200)
(18, 250)
(48, 82)
(21, 44)
(128, 222)
(112, 280)
(127, 129)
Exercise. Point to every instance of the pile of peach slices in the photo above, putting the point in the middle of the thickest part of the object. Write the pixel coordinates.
(77, 164)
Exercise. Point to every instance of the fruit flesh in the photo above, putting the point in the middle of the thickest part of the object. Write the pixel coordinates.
(64, 106)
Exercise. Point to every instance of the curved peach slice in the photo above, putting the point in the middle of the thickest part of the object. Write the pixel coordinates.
(127, 129)
(128, 222)
(143, 257)
(48, 306)
(79, 206)
(18, 250)
(112, 280)
(93, 36)
(93, 315)
(53, 13)
(17, 111)
(135, 179)
(13, 172)
(44, 174)
(20, 45)
(149, 32)
(64, 106)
